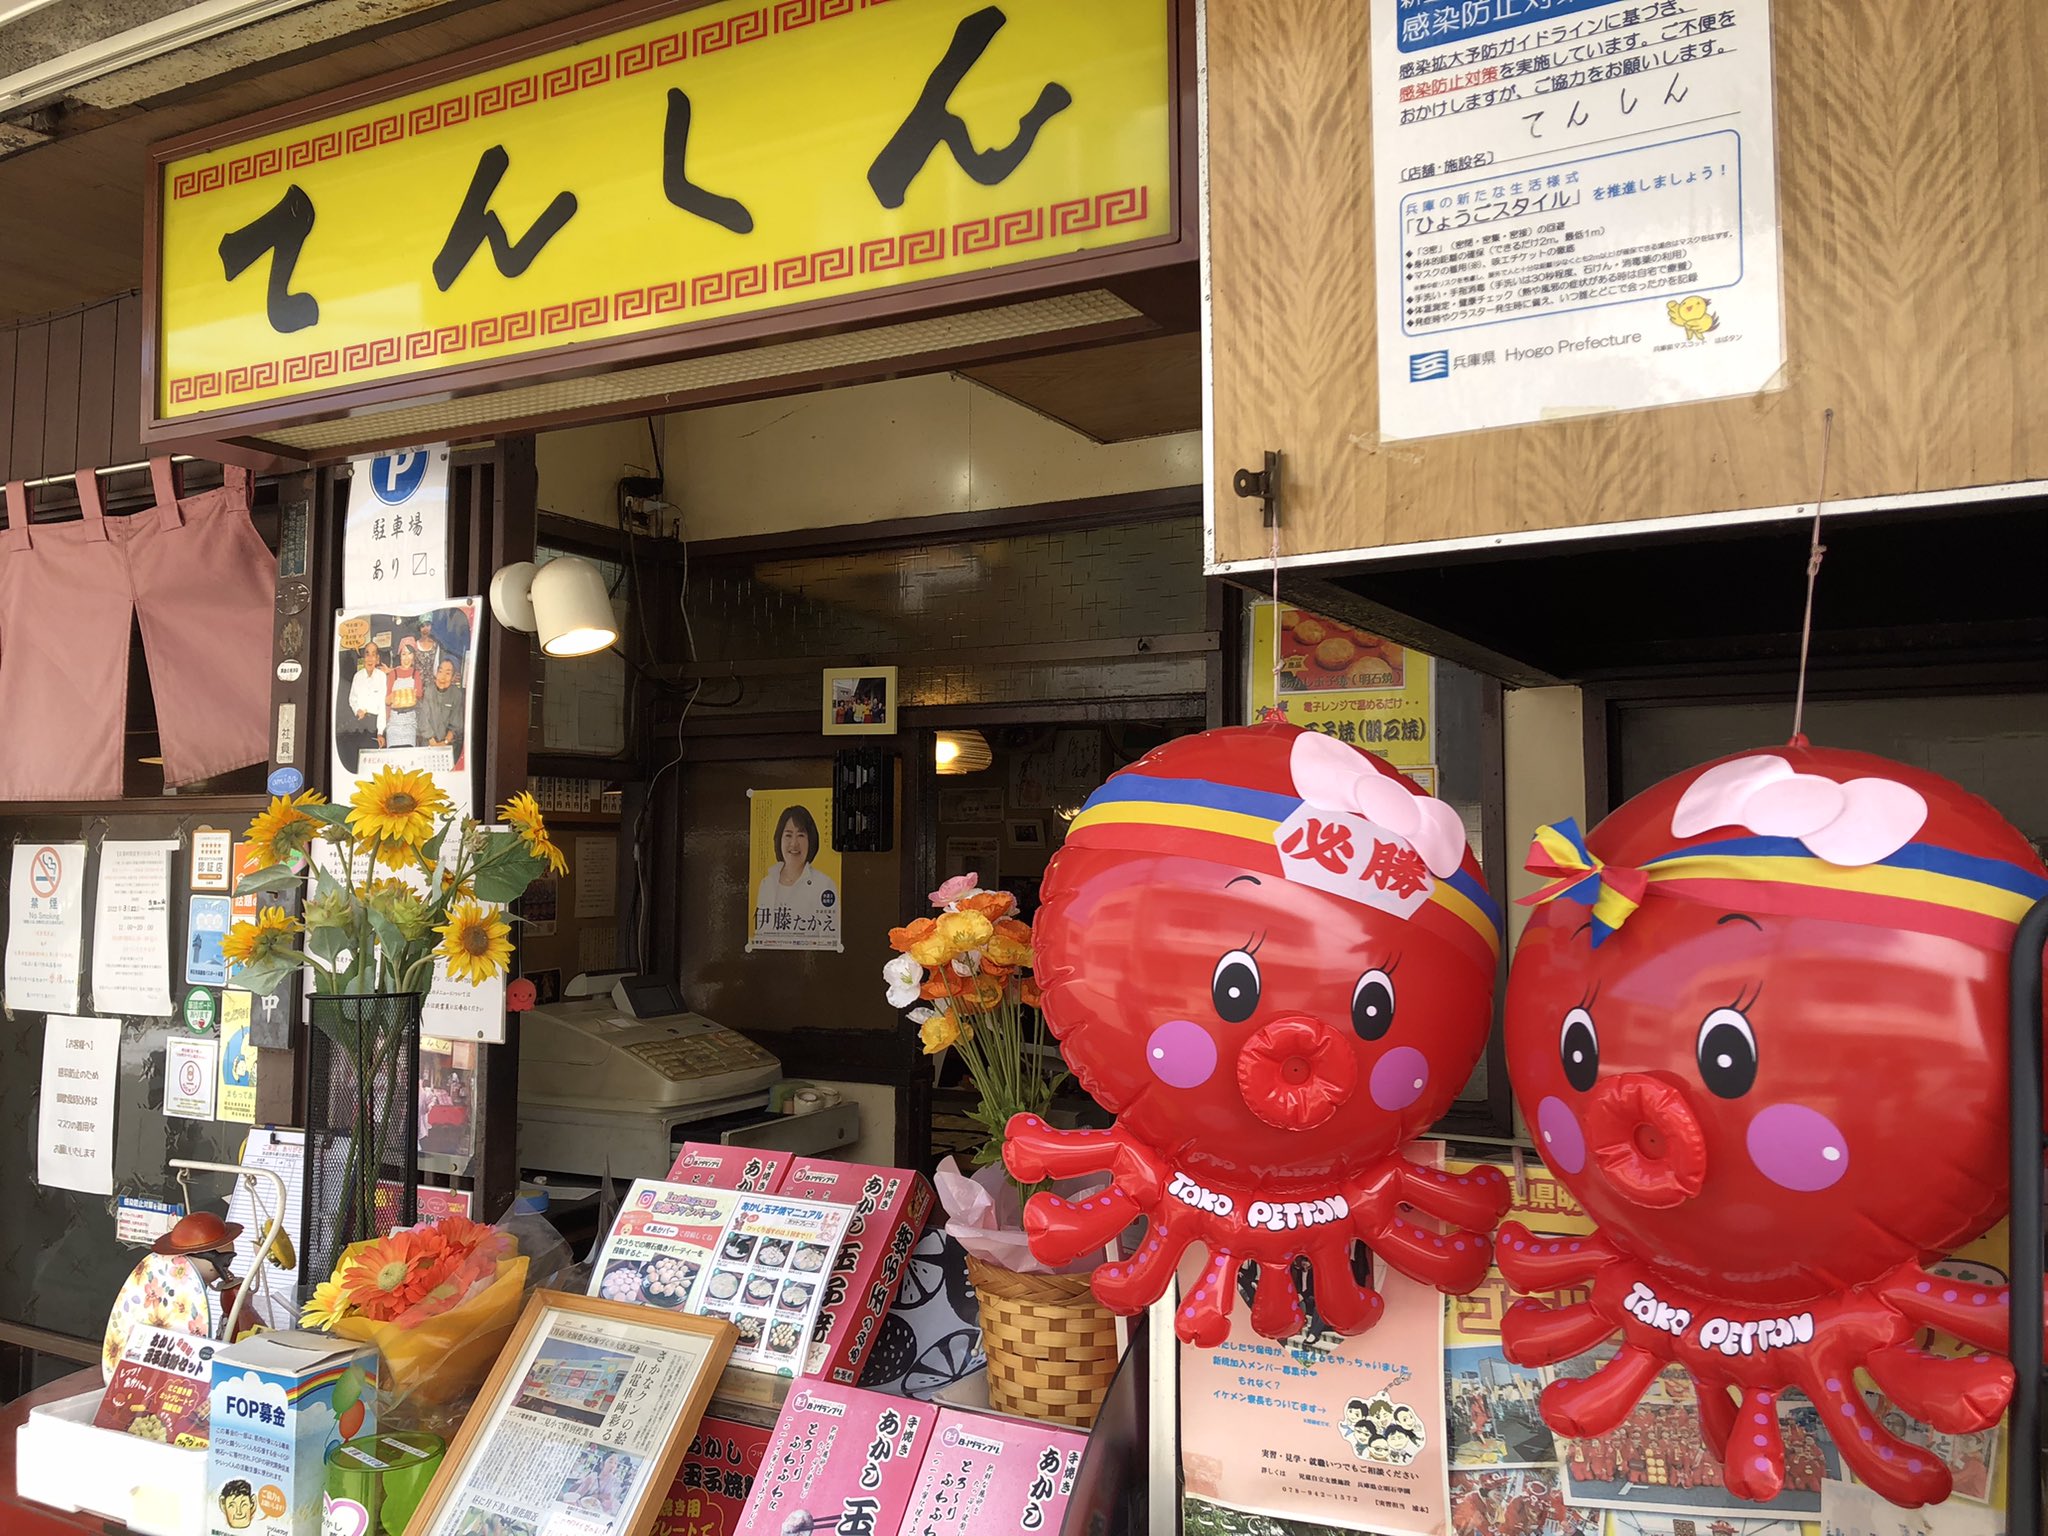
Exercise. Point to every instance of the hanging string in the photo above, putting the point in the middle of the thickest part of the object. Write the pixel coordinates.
(1813, 559)
(1275, 553)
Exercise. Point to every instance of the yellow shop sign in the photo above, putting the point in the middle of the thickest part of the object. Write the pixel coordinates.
(721, 161)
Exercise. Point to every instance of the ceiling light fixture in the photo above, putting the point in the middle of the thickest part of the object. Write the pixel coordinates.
(961, 752)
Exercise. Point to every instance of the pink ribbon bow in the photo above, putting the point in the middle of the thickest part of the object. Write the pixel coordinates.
(1335, 777)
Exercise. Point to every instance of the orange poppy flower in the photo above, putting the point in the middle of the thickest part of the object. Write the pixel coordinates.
(936, 986)
(990, 904)
(901, 939)
(1010, 944)
(1033, 998)
(978, 994)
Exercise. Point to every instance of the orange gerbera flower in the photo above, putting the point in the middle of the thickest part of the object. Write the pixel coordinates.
(992, 905)
(901, 939)
(393, 1274)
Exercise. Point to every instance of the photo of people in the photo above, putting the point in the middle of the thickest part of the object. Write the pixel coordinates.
(447, 1099)
(479, 1522)
(601, 1483)
(576, 1382)
(402, 693)
(1657, 1458)
(1515, 1503)
(796, 893)
(860, 701)
(1491, 1410)
(1382, 1430)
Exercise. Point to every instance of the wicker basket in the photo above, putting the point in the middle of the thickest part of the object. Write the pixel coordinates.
(1051, 1345)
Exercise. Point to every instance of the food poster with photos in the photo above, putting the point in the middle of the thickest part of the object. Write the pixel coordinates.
(768, 1277)
(404, 695)
(793, 871)
(664, 1236)
(1345, 1432)
(1345, 682)
(573, 1444)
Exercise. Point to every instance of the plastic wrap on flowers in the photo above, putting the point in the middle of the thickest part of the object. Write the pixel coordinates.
(438, 1300)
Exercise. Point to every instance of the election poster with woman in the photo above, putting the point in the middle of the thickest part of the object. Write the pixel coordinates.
(793, 871)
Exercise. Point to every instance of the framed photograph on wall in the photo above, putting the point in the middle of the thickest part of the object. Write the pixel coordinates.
(583, 1421)
(1027, 834)
(860, 701)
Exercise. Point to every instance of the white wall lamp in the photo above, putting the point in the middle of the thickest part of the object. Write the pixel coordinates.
(564, 602)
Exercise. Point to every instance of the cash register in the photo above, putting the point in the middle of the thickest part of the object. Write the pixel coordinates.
(617, 1075)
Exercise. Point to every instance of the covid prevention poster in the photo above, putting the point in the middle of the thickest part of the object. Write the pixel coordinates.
(1575, 208)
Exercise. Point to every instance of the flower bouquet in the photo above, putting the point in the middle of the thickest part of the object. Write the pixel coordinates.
(965, 974)
(394, 882)
(438, 1300)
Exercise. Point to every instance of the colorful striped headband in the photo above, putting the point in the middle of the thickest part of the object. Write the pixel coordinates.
(1264, 833)
(1921, 887)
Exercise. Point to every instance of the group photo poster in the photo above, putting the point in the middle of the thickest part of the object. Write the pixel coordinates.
(403, 695)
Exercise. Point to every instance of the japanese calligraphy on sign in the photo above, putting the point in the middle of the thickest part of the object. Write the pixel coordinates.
(394, 550)
(729, 158)
(1575, 207)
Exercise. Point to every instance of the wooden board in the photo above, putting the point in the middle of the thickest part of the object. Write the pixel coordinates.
(1113, 394)
(1910, 165)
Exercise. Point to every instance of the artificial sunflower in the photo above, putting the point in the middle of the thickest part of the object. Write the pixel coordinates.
(476, 942)
(398, 806)
(254, 943)
(282, 829)
(327, 1307)
(332, 911)
(389, 1275)
(398, 904)
(523, 812)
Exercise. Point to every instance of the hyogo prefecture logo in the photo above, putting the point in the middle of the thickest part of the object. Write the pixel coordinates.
(1426, 366)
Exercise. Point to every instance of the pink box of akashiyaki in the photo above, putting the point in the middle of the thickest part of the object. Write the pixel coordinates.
(890, 1207)
(840, 1460)
(709, 1165)
(985, 1474)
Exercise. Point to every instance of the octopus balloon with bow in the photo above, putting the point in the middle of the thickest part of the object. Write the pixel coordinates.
(1272, 957)
(1758, 1024)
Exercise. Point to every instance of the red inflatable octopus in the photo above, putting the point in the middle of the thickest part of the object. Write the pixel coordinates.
(1758, 1027)
(1272, 957)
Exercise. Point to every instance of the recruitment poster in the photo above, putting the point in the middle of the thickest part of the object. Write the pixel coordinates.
(1348, 683)
(403, 694)
(1574, 208)
(793, 871)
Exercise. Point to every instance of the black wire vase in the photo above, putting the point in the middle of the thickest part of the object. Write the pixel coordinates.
(362, 1123)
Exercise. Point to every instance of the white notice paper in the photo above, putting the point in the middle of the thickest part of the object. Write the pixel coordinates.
(131, 929)
(252, 1205)
(75, 1136)
(1575, 208)
(191, 1071)
(45, 927)
(394, 550)
(595, 867)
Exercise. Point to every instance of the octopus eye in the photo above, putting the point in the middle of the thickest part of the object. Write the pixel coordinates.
(1578, 1047)
(1235, 987)
(1727, 1053)
(1372, 1005)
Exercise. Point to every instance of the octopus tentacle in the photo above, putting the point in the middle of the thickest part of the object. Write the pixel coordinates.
(1135, 1283)
(1062, 1230)
(1976, 1314)
(1452, 1262)
(1204, 1317)
(1033, 1150)
(1345, 1304)
(1752, 1451)
(1957, 1397)
(1533, 1334)
(1543, 1264)
(1277, 1312)
(1716, 1409)
(1584, 1409)
(1908, 1475)
(1477, 1199)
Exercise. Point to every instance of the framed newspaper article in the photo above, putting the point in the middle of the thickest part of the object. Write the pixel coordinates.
(582, 1425)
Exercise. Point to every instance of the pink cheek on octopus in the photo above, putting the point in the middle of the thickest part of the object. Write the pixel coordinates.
(1399, 1077)
(1564, 1143)
(1181, 1054)
(1797, 1148)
